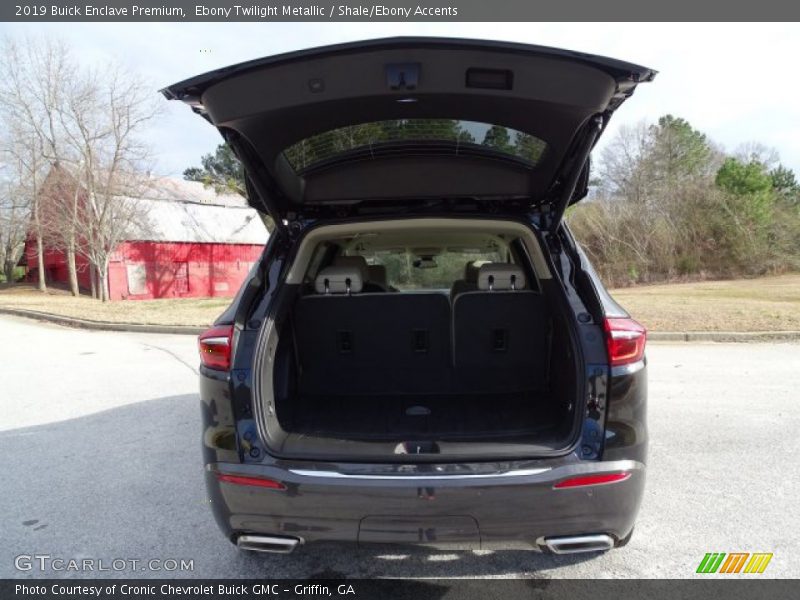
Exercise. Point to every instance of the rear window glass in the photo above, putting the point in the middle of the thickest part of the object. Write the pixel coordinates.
(408, 270)
(398, 134)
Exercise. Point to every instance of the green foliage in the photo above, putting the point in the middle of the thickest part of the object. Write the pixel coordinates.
(742, 179)
(497, 137)
(677, 150)
(750, 195)
(687, 264)
(328, 144)
(221, 170)
(642, 164)
(783, 179)
(528, 147)
(668, 205)
(18, 275)
(785, 185)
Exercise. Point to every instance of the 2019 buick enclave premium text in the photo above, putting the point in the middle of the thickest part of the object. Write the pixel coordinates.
(423, 354)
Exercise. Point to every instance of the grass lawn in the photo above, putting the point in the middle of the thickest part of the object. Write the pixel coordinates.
(190, 311)
(763, 304)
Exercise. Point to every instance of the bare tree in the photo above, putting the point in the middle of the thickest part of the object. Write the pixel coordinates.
(25, 170)
(32, 79)
(103, 117)
(75, 133)
(624, 163)
(758, 152)
(14, 219)
(60, 199)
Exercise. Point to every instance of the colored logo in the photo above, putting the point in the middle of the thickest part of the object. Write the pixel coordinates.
(735, 562)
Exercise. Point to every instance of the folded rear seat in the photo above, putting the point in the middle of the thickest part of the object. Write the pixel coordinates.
(350, 342)
(501, 333)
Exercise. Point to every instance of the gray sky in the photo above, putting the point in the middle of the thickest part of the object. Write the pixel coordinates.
(737, 83)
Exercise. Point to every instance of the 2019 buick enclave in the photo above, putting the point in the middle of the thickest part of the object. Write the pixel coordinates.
(423, 354)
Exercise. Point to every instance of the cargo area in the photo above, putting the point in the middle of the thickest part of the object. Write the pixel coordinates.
(366, 368)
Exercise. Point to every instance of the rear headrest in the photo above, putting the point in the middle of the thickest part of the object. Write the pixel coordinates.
(471, 270)
(500, 276)
(339, 280)
(377, 274)
(352, 261)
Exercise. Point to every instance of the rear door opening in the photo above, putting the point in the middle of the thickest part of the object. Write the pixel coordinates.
(431, 340)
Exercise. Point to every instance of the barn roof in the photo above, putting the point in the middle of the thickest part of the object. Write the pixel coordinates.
(169, 188)
(185, 221)
(175, 210)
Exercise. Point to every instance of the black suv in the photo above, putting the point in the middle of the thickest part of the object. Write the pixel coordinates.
(423, 354)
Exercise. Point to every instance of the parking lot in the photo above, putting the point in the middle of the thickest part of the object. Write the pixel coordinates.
(100, 441)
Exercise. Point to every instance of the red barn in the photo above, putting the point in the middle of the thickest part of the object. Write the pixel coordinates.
(196, 244)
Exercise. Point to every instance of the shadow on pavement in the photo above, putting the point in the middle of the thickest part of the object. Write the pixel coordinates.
(127, 483)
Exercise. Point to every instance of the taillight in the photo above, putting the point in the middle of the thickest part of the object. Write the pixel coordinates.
(585, 480)
(215, 347)
(254, 481)
(625, 339)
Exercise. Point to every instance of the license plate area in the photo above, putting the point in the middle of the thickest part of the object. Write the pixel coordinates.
(452, 532)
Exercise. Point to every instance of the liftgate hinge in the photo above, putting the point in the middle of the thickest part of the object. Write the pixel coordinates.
(294, 226)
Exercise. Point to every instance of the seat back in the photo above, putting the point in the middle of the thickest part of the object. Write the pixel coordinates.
(468, 284)
(501, 332)
(356, 343)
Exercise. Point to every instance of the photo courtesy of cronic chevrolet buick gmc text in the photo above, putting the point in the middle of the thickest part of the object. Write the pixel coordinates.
(422, 354)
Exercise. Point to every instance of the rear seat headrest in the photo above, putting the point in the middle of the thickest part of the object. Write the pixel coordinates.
(471, 270)
(500, 276)
(339, 280)
(352, 261)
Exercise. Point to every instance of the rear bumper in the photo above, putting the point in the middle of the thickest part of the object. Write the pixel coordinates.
(517, 508)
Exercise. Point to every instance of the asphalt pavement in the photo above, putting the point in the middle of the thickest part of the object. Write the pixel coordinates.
(100, 443)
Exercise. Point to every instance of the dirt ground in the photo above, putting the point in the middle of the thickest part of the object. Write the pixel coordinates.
(183, 311)
(762, 304)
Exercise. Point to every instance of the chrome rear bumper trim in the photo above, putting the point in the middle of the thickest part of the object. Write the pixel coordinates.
(627, 369)
(421, 476)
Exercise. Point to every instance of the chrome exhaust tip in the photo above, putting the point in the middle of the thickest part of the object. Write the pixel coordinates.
(267, 543)
(579, 543)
